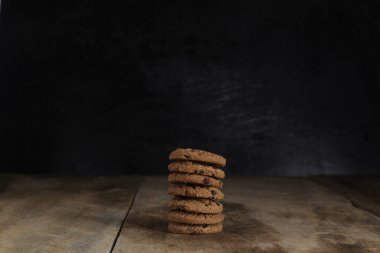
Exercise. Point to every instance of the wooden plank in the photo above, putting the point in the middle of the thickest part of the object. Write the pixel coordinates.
(42, 214)
(262, 215)
(363, 191)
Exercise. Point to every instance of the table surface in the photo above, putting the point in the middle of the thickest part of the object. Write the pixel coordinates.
(128, 214)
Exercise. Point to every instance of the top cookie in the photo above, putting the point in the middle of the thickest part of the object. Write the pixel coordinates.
(197, 155)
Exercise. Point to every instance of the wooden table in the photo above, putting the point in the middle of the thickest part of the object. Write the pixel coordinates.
(128, 214)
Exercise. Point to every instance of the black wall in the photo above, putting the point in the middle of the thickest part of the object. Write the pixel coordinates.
(278, 87)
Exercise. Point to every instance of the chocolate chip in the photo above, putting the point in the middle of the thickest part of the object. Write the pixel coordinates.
(206, 181)
(213, 192)
(204, 226)
(186, 156)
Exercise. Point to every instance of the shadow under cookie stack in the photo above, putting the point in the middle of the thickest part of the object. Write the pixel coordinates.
(195, 181)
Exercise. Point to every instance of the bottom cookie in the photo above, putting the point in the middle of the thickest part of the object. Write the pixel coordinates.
(195, 218)
(180, 228)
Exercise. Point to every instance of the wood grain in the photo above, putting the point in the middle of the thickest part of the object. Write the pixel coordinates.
(262, 215)
(42, 214)
(363, 191)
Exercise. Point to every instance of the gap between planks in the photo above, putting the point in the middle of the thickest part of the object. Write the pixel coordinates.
(125, 217)
(351, 189)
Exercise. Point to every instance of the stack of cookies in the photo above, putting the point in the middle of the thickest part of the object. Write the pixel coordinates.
(195, 181)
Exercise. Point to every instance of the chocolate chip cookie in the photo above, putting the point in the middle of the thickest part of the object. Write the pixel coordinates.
(186, 178)
(196, 205)
(181, 228)
(206, 192)
(195, 218)
(189, 154)
(196, 168)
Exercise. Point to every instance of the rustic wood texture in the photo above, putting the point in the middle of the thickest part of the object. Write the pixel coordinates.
(40, 214)
(363, 191)
(262, 215)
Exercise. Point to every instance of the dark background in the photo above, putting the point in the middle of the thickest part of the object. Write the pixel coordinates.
(278, 87)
